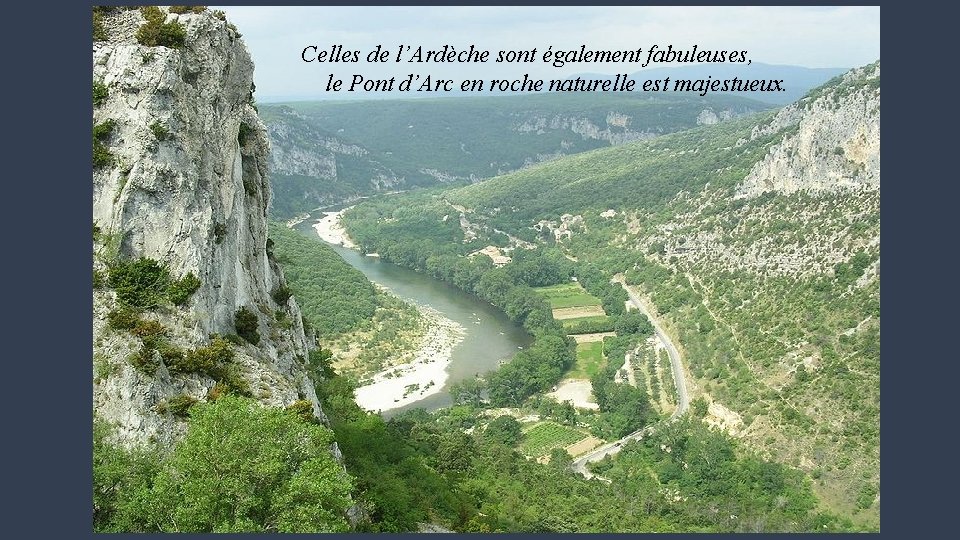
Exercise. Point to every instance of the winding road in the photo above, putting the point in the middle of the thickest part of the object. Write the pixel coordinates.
(683, 402)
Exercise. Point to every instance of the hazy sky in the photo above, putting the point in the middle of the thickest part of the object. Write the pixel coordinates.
(276, 37)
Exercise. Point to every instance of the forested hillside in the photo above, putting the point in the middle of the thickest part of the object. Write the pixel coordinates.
(756, 239)
(326, 152)
(464, 468)
(362, 327)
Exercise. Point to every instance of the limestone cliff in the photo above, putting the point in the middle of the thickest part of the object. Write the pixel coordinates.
(835, 142)
(616, 128)
(821, 177)
(185, 184)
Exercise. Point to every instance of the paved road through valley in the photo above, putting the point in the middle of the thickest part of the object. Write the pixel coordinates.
(683, 402)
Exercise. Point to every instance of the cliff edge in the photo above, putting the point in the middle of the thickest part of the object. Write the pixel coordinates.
(180, 200)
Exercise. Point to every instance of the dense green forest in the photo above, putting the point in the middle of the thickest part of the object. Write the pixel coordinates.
(241, 467)
(335, 301)
(368, 329)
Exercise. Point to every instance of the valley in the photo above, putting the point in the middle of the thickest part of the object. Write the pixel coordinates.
(325, 153)
(737, 277)
(459, 338)
(542, 313)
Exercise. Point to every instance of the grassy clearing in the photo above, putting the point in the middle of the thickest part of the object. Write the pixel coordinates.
(567, 295)
(589, 338)
(590, 360)
(545, 436)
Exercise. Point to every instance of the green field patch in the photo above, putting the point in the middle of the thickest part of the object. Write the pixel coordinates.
(567, 295)
(588, 325)
(590, 360)
(596, 319)
(540, 439)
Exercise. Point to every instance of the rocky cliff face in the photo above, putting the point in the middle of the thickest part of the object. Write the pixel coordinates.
(187, 187)
(615, 129)
(835, 143)
(821, 177)
(298, 149)
(312, 167)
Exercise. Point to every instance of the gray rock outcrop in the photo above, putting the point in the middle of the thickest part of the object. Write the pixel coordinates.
(188, 188)
(835, 143)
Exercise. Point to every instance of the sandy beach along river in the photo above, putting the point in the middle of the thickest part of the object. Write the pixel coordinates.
(465, 335)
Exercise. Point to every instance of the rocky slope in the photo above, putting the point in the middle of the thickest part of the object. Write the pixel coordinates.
(312, 167)
(824, 169)
(786, 268)
(185, 185)
(836, 144)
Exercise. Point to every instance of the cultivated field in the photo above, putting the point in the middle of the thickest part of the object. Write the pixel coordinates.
(540, 439)
(567, 295)
(578, 312)
(584, 446)
(567, 323)
(588, 338)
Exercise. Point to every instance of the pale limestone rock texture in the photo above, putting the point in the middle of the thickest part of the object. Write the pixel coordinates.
(195, 199)
(299, 149)
(836, 143)
(709, 117)
(614, 130)
(821, 179)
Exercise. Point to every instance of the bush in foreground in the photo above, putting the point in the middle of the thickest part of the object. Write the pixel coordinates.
(241, 467)
(157, 33)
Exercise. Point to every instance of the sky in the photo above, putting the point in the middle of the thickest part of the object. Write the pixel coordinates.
(276, 37)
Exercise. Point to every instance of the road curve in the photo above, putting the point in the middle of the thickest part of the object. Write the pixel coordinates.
(683, 402)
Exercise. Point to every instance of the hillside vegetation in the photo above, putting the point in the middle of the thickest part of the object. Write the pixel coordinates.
(339, 299)
(325, 152)
(464, 471)
(365, 328)
(461, 469)
(756, 239)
